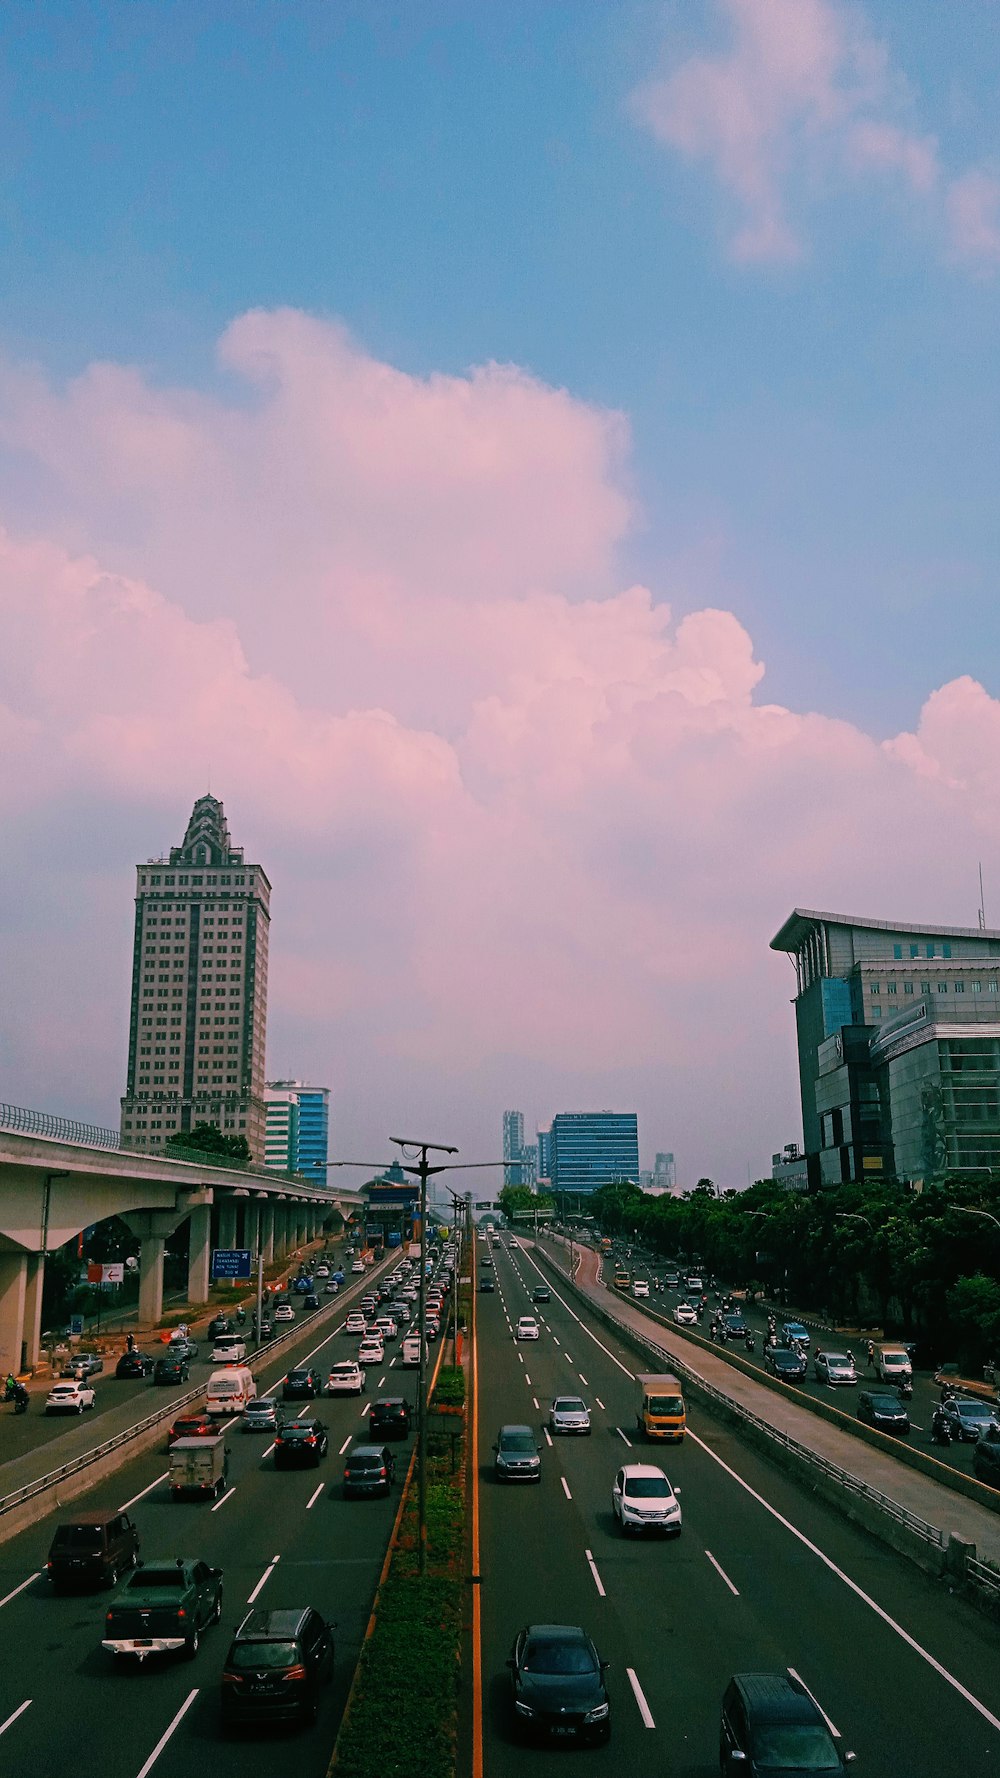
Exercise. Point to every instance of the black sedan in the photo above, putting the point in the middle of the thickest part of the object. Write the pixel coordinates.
(786, 1363)
(170, 1370)
(302, 1384)
(135, 1364)
(300, 1441)
(885, 1412)
(557, 1684)
(389, 1417)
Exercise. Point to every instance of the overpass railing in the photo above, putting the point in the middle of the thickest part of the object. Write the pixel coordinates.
(64, 1129)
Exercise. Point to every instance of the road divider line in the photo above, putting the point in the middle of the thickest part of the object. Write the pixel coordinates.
(583, 1379)
(165, 1737)
(622, 1435)
(228, 1495)
(344, 1446)
(366, 1410)
(854, 1587)
(25, 1583)
(722, 1573)
(270, 1448)
(599, 1584)
(12, 1718)
(272, 1565)
(591, 1336)
(600, 1404)
(640, 1698)
(311, 1502)
(565, 1484)
(534, 1399)
(520, 1358)
(835, 1732)
(144, 1491)
(527, 1379)
(548, 1436)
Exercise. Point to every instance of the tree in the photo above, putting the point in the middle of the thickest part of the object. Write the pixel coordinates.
(209, 1139)
(518, 1201)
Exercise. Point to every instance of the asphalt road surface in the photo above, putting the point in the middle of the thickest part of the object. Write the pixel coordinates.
(761, 1578)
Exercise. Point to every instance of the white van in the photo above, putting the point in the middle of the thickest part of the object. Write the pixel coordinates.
(229, 1390)
(410, 1354)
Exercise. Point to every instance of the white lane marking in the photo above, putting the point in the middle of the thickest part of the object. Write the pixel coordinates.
(527, 1379)
(520, 1358)
(556, 1340)
(534, 1399)
(567, 1358)
(583, 1379)
(721, 1571)
(640, 1698)
(228, 1495)
(4, 1726)
(852, 1585)
(25, 1583)
(548, 1435)
(144, 1491)
(391, 1363)
(600, 1404)
(621, 1434)
(599, 1584)
(916, 1428)
(165, 1737)
(381, 1383)
(366, 1409)
(268, 1570)
(314, 1497)
(835, 1732)
(344, 1446)
(565, 1484)
(270, 1448)
(591, 1336)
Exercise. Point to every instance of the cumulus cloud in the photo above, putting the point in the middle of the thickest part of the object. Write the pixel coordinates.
(529, 834)
(803, 98)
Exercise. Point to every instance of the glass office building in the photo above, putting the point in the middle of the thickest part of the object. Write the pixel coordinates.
(588, 1149)
(298, 1128)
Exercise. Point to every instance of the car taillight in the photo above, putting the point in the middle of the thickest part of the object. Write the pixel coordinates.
(107, 1617)
(347, 1475)
(381, 1475)
(311, 1440)
(279, 1440)
(232, 1679)
(296, 1673)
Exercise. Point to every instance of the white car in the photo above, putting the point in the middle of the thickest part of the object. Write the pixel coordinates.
(643, 1500)
(355, 1323)
(685, 1316)
(371, 1351)
(228, 1351)
(322, 1272)
(527, 1328)
(70, 1398)
(569, 1413)
(640, 1287)
(346, 1379)
(834, 1368)
(284, 1312)
(357, 1265)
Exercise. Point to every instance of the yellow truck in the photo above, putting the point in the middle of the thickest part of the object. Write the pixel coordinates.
(622, 1279)
(661, 1409)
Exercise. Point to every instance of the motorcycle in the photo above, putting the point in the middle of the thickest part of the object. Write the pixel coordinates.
(940, 1429)
(18, 1394)
(750, 1342)
(904, 1390)
(241, 1316)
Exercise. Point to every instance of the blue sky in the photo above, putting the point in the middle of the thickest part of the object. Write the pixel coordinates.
(790, 294)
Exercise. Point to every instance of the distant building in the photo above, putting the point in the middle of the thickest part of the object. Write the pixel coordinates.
(543, 1165)
(513, 1144)
(899, 1047)
(665, 1171)
(790, 1168)
(199, 990)
(281, 1129)
(298, 1128)
(593, 1148)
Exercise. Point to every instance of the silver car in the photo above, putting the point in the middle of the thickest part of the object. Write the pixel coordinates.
(834, 1368)
(569, 1413)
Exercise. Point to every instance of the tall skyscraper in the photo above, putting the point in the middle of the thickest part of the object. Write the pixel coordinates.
(298, 1127)
(592, 1148)
(513, 1144)
(543, 1168)
(199, 990)
(665, 1172)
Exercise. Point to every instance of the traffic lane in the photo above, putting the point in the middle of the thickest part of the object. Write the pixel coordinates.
(265, 1514)
(550, 1581)
(959, 1639)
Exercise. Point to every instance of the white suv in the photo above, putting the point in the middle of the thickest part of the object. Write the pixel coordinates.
(69, 1398)
(643, 1500)
(527, 1328)
(346, 1378)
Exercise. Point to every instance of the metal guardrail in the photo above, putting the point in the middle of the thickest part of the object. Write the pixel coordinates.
(64, 1129)
(983, 1575)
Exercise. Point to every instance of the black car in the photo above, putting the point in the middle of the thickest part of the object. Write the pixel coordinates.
(986, 1457)
(389, 1417)
(557, 1684)
(310, 1300)
(369, 1469)
(876, 1407)
(302, 1440)
(219, 1326)
(135, 1364)
(302, 1384)
(276, 1667)
(785, 1362)
(735, 1326)
(770, 1724)
(486, 1285)
(170, 1370)
(541, 1294)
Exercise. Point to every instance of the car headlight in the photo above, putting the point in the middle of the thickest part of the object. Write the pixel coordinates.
(598, 1714)
(523, 1709)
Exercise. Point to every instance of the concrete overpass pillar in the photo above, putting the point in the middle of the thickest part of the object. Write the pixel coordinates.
(13, 1283)
(227, 1222)
(267, 1230)
(199, 1254)
(152, 1228)
(34, 1280)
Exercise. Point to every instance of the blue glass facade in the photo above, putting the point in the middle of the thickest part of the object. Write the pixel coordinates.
(314, 1132)
(589, 1149)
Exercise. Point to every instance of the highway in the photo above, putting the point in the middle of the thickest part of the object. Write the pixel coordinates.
(285, 1538)
(762, 1577)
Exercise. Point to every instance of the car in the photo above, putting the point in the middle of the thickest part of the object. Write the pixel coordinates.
(357, 1265)
(884, 1411)
(527, 1328)
(786, 1363)
(835, 1368)
(368, 1469)
(284, 1312)
(735, 1326)
(793, 1332)
(277, 1665)
(557, 1684)
(389, 1417)
(370, 1351)
(517, 1455)
(163, 1608)
(355, 1323)
(302, 1440)
(672, 1281)
(135, 1364)
(196, 1424)
(168, 1371)
(181, 1341)
(432, 1328)
(310, 1301)
(70, 1398)
(986, 1457)
(640, 1287)
(772, 1725)
(541, 1294)
(969, 1418)
(569, 1413)
(387, 1326)
(266, 1330)
(303, 1284)
(92, 1549)
(400, 1310)
(260, 1415)
(643, 1500)
(322, 1271)
(369, 1304)
(230, 1349)
(219, 1324)
(685, 1316)
(301, 1384)
(331, 1287)
(487, 1287)
(346, 1378)
(83, 1364)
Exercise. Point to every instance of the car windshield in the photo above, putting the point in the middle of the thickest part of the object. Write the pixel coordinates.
(975, 1410)
(666, 1404)
(167, 1580)
(517, 1441)
(886, 1404)
(795, 1747)
(79, 1537)
(787, 1360)
(647, 1487)
(569, 1404)
(795, 1330)
(262, 1655)
(558, 1657)
(835, 1362)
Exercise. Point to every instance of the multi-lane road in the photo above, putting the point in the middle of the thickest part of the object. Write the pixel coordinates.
(762, 1577)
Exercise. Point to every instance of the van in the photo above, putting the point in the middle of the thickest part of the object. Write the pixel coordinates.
(661, 1408)
(410, 1354)
(893, 1364)
(229, 1390)
(92, 1550)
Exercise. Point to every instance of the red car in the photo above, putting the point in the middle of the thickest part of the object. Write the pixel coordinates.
(191, 1426)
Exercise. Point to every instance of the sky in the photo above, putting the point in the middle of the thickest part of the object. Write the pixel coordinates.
(537, 465)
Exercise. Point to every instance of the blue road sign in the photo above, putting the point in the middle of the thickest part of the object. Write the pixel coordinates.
(76, 1324)
(232, 1262)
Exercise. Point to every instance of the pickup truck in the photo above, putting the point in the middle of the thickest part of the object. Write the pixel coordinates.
(162, 1608)
(198, 1466)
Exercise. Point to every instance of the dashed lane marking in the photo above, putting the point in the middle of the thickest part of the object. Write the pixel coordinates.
(640, 1698)
(722, 1573)
(565, 1484)
(599, 1584)
(621, 1435)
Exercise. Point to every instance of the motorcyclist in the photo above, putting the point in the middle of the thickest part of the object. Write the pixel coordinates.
(940, 1426)
(20, 1395)
(241, 1316)
(10, 1385)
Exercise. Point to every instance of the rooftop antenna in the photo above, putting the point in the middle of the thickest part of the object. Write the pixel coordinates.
(982, 904)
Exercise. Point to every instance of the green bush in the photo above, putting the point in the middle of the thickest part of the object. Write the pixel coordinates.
(450, 1391)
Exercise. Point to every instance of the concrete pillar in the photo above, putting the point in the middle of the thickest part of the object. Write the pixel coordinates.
(252, 1240)
(34, 1280)
(199, 1254)
(267, 1231)
(152, 1228)
(13, 1281)
(227, 1222)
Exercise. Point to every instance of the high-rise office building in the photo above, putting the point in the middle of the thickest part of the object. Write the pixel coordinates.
(543, 1167)
(899, 1047)
(513, 1145)
(665, 1171)
(298, 1128)
(199, 990)
(593, 1148)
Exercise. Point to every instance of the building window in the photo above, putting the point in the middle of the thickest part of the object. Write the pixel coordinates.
(897, 951)
(942, 987)
(959, 987)
(991, 987)
(876, 988)
(914, 950)
(925, 987)
(876, 1012)
(890, 988)
(977, 987)
(946, 950)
